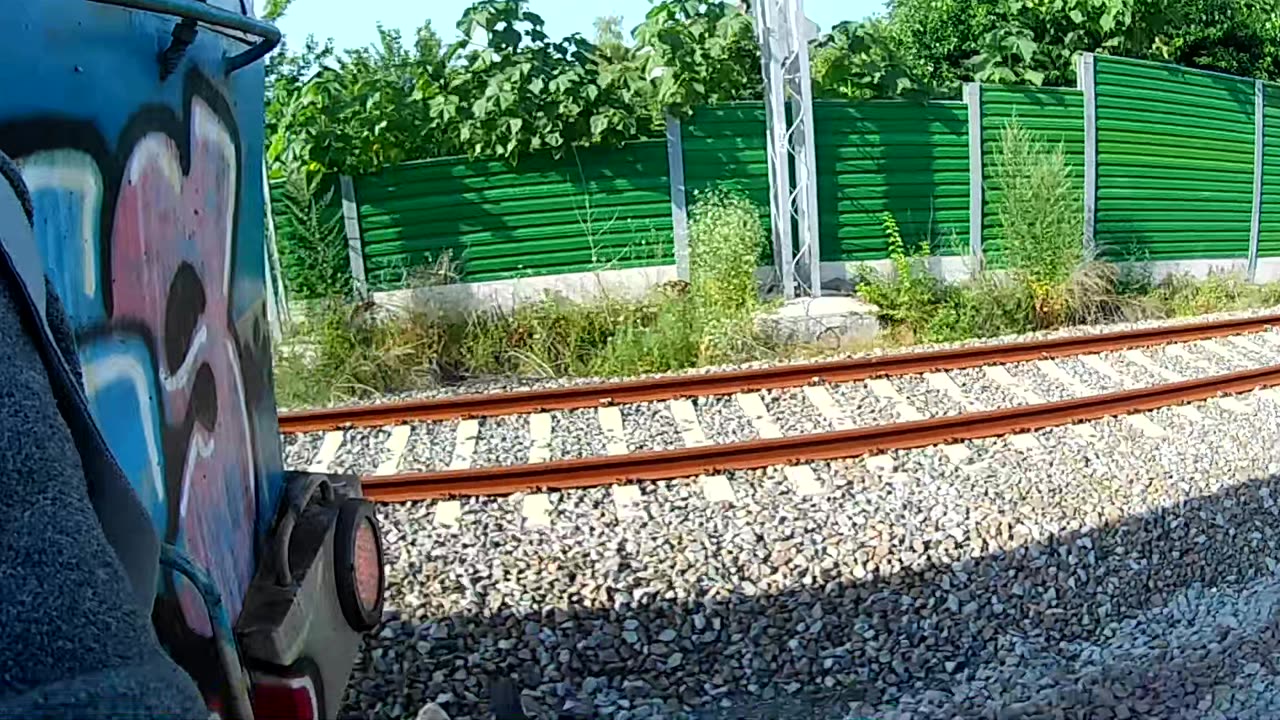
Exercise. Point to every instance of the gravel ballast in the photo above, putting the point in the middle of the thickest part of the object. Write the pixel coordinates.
(722, 420)
(362, 449)
(430, 446)
(576, 434)
(1123, 576)
(650, 426)
(503, 440)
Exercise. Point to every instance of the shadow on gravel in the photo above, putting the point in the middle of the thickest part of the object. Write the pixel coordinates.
(1061, 618)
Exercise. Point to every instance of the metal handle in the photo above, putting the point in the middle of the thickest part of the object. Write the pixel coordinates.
(224, 638)
(298, 497)
(268, 35)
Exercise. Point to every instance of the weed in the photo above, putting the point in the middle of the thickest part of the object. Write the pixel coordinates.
(312, 242)
(1048, 278)
(1041, 220)
(911, 295)
(1181, 295)
(725, 240)
(983, 307)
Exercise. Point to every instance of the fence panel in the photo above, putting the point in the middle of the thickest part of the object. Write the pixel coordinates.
(1175, 162)
(891, 157)
(1269, 227)
(601, 208)
(1054, 115)
(724, 147)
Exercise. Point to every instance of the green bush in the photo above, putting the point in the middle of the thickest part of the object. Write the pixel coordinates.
(984, 307)
(725, 240)
(910, 296)
(343, 352)
(312, 241)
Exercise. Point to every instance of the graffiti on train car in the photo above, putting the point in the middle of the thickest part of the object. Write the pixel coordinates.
(139, 237)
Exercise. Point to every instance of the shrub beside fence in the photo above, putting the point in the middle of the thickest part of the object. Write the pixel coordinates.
(1055, 115)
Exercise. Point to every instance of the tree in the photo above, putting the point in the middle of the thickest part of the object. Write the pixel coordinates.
(521, 92)
(1241, 37)
(860, 61)
(355, 112)
(609, 38)
(699, 52)
(275, 9)
(507, 89)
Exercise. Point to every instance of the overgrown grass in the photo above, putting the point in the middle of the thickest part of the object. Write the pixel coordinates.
(1183, 295)
(1041, 276)
(312, 242)
(344, 354)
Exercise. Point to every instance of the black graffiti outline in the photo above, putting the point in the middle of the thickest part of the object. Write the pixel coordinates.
(28, 135)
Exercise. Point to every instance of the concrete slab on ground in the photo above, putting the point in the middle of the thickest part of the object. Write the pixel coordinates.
(831, 321)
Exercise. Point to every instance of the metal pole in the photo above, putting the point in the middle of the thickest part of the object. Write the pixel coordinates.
(679, 211)
(1259, 142)
(772, 53)
(973, 98)
(804, 205)
(355, 245)
(1086, 78)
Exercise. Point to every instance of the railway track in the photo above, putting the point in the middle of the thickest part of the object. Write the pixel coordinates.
(702, 425)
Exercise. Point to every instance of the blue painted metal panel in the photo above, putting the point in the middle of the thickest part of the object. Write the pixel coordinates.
(148, 199)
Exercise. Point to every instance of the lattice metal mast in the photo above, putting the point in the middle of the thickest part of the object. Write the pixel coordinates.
(784, 34)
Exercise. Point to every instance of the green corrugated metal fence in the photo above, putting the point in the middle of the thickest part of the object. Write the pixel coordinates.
(1055, 115)
(1174, 169)
(894, 157)
(1175, 161)
(724, 147)
(602, 208)
(1269, 228)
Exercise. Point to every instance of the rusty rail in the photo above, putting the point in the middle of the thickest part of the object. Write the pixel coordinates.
(665, 388)
(688, 462)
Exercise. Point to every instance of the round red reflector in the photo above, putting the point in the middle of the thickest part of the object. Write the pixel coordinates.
(357, 561)
(368, 565)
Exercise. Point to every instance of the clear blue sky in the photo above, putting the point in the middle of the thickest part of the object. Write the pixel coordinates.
(352, 23)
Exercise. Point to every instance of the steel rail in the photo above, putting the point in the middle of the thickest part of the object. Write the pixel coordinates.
(688, 462)
(719, 383)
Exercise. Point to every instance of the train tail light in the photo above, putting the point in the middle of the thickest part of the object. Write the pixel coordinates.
(357, 554)
(285, 698)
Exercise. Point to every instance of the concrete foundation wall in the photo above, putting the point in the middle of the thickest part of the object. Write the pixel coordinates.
(634, 283)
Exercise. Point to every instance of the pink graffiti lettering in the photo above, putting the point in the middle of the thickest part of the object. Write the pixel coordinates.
(170, 272)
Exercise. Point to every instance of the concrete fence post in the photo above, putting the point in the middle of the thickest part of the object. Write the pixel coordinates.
(1259, 140)
(679, 208)
(973, 99)
(1086, 77)
(277, 291)
(355, 244)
